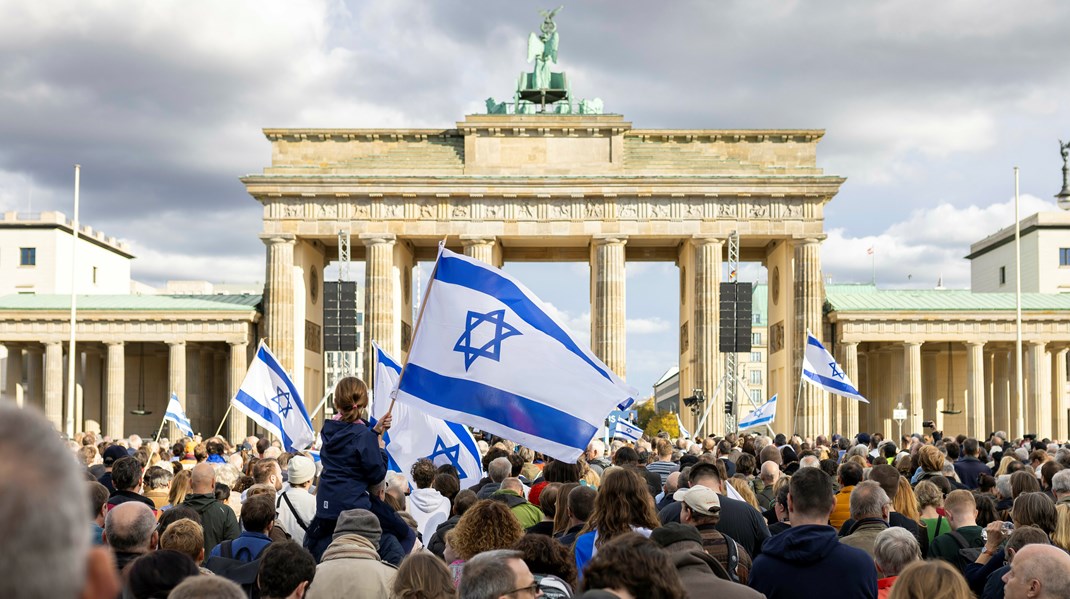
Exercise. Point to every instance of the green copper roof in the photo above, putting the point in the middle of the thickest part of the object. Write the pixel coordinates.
(176, 303)
(866, 298)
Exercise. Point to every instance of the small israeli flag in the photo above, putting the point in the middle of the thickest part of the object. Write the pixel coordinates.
(626, 430)
(176, 414)
(414, 435)
(763, 415)
(683, 431)
(268, 396)
(821, 370)
(488, 354)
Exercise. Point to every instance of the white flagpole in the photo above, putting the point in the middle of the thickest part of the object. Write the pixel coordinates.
(1018, 310)
(416, 327)
(72, 351)
(798, 394)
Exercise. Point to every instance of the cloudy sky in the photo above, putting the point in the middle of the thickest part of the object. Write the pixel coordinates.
(927, 108)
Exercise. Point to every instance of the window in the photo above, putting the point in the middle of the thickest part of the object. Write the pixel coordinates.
(756, 356)
(1064, 256)
(27, 256)
(1002, 275)
(757, 318)
(756, 396)
(94, 275)
(756, 339)
(756, 377)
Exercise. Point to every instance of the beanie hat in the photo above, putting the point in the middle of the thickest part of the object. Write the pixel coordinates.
(300, 470)
(114, 452)
(359, 522)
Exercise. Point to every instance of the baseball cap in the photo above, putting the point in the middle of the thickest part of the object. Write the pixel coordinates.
(702, 501)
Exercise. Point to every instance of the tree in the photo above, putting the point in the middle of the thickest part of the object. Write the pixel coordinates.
(664, 421)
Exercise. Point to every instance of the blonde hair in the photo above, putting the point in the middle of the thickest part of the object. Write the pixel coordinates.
(928, 494)
(1004, 464)
(1061, 537)
(905, 501)
(930, 459)
(745, 491)
(184, 536)
(179, 488)
(933, 579)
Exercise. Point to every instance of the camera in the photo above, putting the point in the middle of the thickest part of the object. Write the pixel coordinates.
(928, 424)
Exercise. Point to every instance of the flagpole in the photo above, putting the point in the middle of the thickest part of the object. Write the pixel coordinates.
(72, 353)
(162, 424)
(416, 327)
(798, 395)
(225, 414)
(1020, 422)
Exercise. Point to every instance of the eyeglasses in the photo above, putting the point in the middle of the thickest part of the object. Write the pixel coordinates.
(533, 588)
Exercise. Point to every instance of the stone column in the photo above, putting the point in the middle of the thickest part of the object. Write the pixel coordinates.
(707, 360)
(975, 390)
(1001, 396)
(849, 423)
(380, 296)
(54, 383)
(1058, 392)
(483, 248)
(912, 387)
(34, 376)
(115, 405)
(929, 385)
(279, 297)
(237, 428)
(91, 396)
(219, 384)
(895, 375)
(607, 301)
(176, 375)
(809, 301)
(14, 373)
(1038, 400)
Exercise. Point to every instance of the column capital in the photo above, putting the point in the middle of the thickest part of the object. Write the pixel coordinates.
(278, 238)
(175, 342)
(974, 343)
(1038, 344)
(52, 343)
(370, 239)
(470, 239)
(810, 240)
(609, 239)
(234, 343)
(701, 240)
(114, 342)
(912, 344)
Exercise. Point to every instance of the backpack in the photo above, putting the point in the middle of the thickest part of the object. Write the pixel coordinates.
(235, 570)
(966, 552)
(733, 559)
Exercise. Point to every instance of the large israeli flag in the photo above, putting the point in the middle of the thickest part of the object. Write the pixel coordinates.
(762, 415)
(414, 435)
(268, 396)
(487, 353)
(176, 414)
(821, 370)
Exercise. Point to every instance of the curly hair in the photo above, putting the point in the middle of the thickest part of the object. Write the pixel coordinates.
(546, 556)
(486, 526)
(623, 501)
(636, 564)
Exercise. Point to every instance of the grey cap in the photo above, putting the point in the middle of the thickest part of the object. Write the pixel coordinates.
(359, 522)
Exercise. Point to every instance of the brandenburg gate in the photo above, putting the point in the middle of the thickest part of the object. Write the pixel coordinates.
(551, 187)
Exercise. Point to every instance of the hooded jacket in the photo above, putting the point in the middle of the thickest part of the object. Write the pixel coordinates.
(525, 512)
(351, 568)
(429, 508)
(809, 561)
(218, 520)
(352, 462)
(696, 570)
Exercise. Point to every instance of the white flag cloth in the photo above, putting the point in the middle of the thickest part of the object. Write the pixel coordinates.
(414, 435)
(683, 431)
(487, 353)
(821, 370)
(176, 414)
(762, 415)
(268, 396)
(626, 430)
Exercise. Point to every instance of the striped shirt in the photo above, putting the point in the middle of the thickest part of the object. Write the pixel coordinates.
(663, 469)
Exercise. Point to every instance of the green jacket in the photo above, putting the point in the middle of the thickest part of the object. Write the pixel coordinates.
(218, 520)
(527, 513)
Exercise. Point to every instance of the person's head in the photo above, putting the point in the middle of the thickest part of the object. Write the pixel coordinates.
(351, 399)
(361, 523)
(770, 472)
(184, 536)
(1034, 509)
(300, 471)
(258, 513)
(126, 474)
(131, 528)
(970, 447)
(868, 500)
(1022, 536)
(625, 456)
(464, 500)
(199, 587)
(850, 474)
(672, 483)
(932, 579)
(664, 449)
(894, 549)
(423, 576)
(745, 464)
(634, 564)
(495, 574)
(581, 503)
(705, 474)
(155, 478)
(202, 479)
(809, 461)
(155, 574)
(623, 502)
(810, 496)
(595, 449)
(499, 469)
(286, 569)
(486, 526)
(930, 459)
(1038, 571)
(447, 485)
(700, 506)
(887, 477)
(1023, 482)
(98, 498)
(423, 473)
(557, 471)
(176, 513)
(549, 499)
(268, 472)
(961, 508)
(1060, 483)
(545, 556)
(770, 453)
(513, 484)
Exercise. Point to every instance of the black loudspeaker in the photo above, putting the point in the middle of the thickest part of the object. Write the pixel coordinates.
(340, 318)
(735, 317)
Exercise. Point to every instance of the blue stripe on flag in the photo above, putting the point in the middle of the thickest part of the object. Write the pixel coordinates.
(464, 437)
(830, 383)
(265, 356)
(484, 280)
(269, 415)
(522, 414)
(811, 340)
(385, 360)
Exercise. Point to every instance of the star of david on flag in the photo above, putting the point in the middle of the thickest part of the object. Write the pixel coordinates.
(821, 370)
(762, 415)
(487, 353)
(268, 396)
(176, 414)
(415, 434)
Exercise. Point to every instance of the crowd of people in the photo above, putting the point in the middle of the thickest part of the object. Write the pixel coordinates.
(743, 515)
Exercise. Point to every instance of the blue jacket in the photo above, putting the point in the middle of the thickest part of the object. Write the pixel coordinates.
(246, 548)
(809, 561)
(352, 462)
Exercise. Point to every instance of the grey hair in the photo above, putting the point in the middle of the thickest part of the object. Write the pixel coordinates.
(949, 471)
(597, 447)
(227, 474)
(157, 477)
(1062, 456)
(42, 509)
(499, 469)
(1060, 483)
(860, 450)
(129, 532)
(810, 461)
(894, 549)
(488, 575)
(868, 500)
(217, 587)
(1003, 486)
